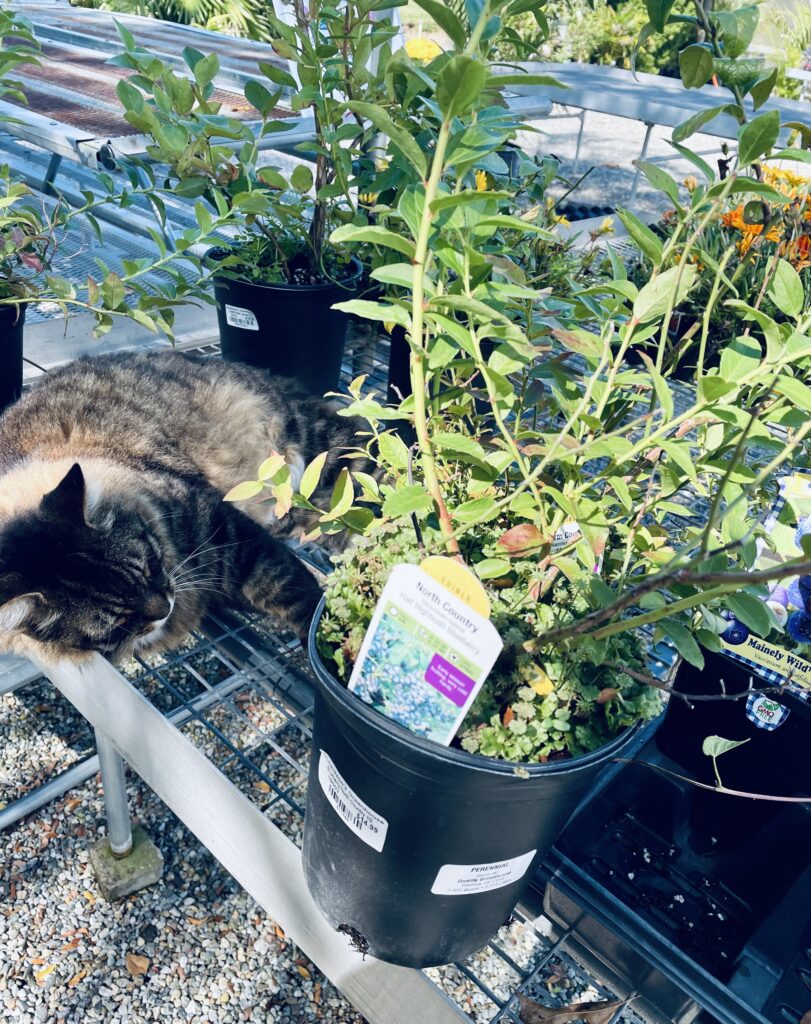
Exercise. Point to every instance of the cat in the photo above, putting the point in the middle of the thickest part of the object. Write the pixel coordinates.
(114, 536)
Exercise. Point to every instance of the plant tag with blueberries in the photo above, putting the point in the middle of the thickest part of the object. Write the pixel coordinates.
(429, 648)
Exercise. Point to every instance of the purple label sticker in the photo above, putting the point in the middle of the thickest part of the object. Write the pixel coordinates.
(451, 681)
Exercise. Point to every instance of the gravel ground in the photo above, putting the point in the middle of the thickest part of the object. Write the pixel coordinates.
(194, 948)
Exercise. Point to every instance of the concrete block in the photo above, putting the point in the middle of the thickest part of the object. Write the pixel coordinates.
(121, 876)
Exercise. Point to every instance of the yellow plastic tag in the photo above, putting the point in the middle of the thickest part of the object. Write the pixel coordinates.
(454, 576)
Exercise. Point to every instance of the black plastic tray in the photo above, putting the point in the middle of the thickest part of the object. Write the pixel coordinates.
(713, 891)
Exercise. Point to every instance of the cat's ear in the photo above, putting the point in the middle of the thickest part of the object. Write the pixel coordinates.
(15, 608)
(66, 502)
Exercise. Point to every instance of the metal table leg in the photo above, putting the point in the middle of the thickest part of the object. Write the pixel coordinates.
(119, 825)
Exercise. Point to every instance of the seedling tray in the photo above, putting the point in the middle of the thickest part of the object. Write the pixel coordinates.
(713, 891)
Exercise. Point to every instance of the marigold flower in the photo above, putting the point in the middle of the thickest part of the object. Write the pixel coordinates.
(690, 183)
(481, 180)
(420, 48)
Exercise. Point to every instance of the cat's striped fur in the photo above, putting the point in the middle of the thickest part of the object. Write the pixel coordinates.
(113, 532)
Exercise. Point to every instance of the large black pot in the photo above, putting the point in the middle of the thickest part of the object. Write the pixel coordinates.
(404, 837)
(289, 329)
(12, 320)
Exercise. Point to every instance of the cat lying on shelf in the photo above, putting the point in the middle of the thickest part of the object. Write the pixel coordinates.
(114, 536)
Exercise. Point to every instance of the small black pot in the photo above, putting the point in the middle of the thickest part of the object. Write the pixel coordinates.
(404, 837)
(12, 321)
(289, 329)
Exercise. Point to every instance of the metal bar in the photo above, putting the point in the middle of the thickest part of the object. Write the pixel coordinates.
(576, 163)
(79, 773)
(16, 672)
(119, 824)
(642, 155)
(50, 174)
(248, 844)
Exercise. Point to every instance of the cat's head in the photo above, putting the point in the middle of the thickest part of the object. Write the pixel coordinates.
(75, 580)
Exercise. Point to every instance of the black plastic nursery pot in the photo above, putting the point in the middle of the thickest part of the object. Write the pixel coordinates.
(12, 322)
(420, 852)
(711, 890)
(289, 329)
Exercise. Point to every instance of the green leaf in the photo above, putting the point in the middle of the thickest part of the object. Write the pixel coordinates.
(312, 475)
(448, 202)
(736, 28)
(740, 357)
(374, 234)
(459, 443)
(393, 450)
(795, 391)
(525, 78)
(302, 178)
(758, 137)
(447, 21)
(714, 746)
(244, 491)
(751, 611)
(578, 340)
(695, 66)
(649, 244)
(343, 494)
(205, 70)
(697, 121)
(259, 97)
(786, 289)
(654, 299)
(763, 88)
(659, 12)
(478, 510)
(684, 641)
(399, 137)
(459, 85)
(664, 396)
(492, 568)
(376, 311)
(408, 500)
(270, 467)
(660, 180)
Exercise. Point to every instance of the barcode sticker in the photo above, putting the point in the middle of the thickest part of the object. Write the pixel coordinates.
(236, 316)
(355, 814)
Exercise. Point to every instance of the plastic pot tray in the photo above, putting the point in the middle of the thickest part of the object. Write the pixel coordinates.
(712, 891)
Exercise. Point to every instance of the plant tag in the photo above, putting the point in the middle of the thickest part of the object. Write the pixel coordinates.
(425, 655)
(565, 535)
(764, 712)
(236, 316)
(367, 824)
(456, 577)
(467, 879)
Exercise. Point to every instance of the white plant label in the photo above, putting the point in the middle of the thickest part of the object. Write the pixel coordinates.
(367, 824)
(425, 655)
(565, 535)
(236, 316)
(467, 879)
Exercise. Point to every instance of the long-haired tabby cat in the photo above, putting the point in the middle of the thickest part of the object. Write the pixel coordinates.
(113, 533)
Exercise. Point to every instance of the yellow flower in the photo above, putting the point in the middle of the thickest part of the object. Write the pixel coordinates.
(607, 227)
(691, 183)
(481, 181)
(420, 48)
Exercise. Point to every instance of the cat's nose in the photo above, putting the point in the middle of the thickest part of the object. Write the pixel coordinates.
(157, 607)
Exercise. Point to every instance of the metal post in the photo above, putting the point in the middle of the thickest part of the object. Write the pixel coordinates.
(50, 174)
(576, 163)
(642, 155)
(119, 826)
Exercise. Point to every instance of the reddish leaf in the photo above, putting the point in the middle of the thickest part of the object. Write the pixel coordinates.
(521, 539)
(609, 693)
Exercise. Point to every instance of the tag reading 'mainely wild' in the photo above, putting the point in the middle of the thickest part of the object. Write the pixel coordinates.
(425, 655)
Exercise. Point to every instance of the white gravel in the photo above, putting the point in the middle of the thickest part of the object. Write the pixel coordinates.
(193, 949)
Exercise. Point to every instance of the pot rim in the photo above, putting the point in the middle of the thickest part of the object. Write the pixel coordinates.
(284, 286)
(401, 736)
